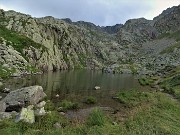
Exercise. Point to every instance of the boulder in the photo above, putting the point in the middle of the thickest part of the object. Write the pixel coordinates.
(17, 99)
(57, 95)
(26, 115)
(41, 104)
(2, 106)
(97, 88)
(5, 115)
(57, 125)
(40, 112)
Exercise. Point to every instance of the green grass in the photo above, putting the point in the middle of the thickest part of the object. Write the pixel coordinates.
(171, 48)
(161, 116)
(132, 98)
(18, 41)
(146, 81)
(90, 100)
(175, 35)
(96, 118)
(49, 106)
(32, 69)
(171, 85)
(68, 105)
(5, 72)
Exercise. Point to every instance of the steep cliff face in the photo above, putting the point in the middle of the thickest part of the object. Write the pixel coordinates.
(67, 45)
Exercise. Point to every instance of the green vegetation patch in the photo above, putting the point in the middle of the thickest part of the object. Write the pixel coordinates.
(171, 48)
(146, 81)
(96, 118)
(68, 105)
(32, 69)
(161, 118)
(171, 85)
(133, 97)
(19, 42)
(5, 72)
(175, 35)
(90, 100)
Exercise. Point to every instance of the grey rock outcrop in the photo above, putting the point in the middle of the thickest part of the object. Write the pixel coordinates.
(62, 44)
(17, 99)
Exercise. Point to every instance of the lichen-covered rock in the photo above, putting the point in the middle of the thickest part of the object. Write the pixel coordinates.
(26, 115)
(17, 99)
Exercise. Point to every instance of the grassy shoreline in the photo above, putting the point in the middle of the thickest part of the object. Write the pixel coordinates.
(143, 112)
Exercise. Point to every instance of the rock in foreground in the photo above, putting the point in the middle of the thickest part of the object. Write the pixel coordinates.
(26, 115)
(17, 99)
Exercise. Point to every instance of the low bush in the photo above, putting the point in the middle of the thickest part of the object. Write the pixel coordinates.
(90, 100)
(96, 118)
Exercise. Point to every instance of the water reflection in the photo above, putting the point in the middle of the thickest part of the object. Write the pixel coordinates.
(77, 83)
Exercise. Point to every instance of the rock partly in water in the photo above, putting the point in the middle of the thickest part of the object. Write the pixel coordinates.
(2, 106)
(57, 95)
(26, 115)
(17, 99)
(97, 87)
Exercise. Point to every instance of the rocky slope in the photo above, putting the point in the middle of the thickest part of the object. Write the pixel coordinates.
(51, 44)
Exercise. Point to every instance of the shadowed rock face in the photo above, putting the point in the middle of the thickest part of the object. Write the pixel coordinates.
(66, 45)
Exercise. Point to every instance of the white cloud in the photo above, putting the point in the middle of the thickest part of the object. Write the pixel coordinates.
(4, 7)
(159, 6)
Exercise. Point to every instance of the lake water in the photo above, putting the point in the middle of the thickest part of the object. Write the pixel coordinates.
(75, 85)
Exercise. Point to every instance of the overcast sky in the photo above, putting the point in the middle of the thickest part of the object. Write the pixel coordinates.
(100, 12)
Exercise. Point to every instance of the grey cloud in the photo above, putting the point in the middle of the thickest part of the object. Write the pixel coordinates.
(100, 12)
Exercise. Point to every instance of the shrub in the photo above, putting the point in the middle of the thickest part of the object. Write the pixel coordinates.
(68, 105)
(146, 81)
(49, 106)
(96, 118)
(90, 100)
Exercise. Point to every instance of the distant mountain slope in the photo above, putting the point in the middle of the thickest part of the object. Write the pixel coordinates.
(63, 44)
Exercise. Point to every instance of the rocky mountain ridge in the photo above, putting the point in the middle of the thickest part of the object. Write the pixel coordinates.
(63, 44)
